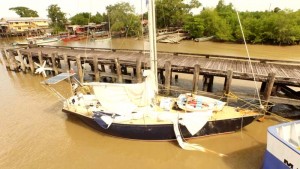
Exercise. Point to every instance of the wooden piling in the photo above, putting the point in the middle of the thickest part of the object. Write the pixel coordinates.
(79, 68)
(210, 84)
(102, 68)
(196, 78)
(205, 84)
(53, 56)
(118, 70)
(139, 70)
(161, 76)
(12, 61)
(5, 58)
(40, 58)
(31, 64)
(96, 70)
(228, 82)
(263, 87)
(168, 70)
(21, 61)
(269, 87)
(66, 63)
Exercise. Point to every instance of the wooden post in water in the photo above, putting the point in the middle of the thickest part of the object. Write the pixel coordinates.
(161, 76)
(210, 83)
(79, 67)
(40, 57)
(196, 78)
(228, 82)
(66, 63)
(139, 70)
(4, 57)
(205, 84)
(102, 68)
(21, 61)
(263, 87)
(168, 78)
(119, 72)
(269, 87)
(96, 70)
(12, 61)
(31, 62)
(53, 56)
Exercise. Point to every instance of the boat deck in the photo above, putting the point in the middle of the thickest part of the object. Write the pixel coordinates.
(227, 112)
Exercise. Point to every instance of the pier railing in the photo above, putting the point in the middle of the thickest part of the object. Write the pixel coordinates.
(295, 62)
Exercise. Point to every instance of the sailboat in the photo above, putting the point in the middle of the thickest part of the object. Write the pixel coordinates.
(136, 111)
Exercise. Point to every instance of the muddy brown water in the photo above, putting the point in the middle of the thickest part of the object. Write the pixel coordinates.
(36, 134)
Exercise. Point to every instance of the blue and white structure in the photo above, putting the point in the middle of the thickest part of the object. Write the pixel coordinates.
(283, 146)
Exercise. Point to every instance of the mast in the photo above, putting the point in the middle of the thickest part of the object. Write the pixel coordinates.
(152, 41)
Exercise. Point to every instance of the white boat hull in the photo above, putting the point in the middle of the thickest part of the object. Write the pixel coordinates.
(280, 154)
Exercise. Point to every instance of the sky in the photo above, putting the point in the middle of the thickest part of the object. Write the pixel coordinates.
(72, 7)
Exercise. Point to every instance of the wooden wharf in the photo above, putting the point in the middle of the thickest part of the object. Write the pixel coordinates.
(273, 74)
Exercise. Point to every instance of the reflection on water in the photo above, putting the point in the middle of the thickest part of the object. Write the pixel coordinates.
(35, 133)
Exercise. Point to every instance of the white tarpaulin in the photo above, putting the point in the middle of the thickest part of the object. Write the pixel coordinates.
(123, 98)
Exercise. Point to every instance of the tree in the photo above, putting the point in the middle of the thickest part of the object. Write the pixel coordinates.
(85, 17)
(58, 18)
(123, 19)
(81, 18)
(98, 18)
(173, 13)
(24, 11)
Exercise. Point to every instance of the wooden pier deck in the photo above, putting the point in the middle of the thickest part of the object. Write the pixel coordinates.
(286, 72)
(272, 73)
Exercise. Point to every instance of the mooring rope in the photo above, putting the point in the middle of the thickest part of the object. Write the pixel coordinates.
(249, 60)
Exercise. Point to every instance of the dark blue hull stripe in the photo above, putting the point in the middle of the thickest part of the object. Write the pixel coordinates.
(271, 162)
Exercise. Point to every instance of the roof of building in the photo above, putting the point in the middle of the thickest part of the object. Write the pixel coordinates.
(23, 19)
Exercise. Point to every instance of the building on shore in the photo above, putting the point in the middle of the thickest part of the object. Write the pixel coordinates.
(23, 26)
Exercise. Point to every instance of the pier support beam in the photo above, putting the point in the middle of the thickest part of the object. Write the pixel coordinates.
(31, 62)
(263, 87)
(139, 70)
(196, 78)
(96, 69)
(79, 67)
(21, 61)
(53, 56)
(168, 77)
(119, 72)
(269, 87)
(102, 68)
(208, 83)
(12, 61)
(4, 58)
(228, 83)
(66, 63)
(40, 57)
(161, 76)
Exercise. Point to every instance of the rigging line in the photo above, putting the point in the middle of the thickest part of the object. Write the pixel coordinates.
(109, 29)
(249, 59)
(86, 42)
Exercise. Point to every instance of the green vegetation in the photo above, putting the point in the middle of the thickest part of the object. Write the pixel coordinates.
(24, 11)
(123, 19)
(267, 27)
(173, 13)
(84, 18)
(58, 18)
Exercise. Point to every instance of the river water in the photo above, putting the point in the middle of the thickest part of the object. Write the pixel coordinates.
(36, 134)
